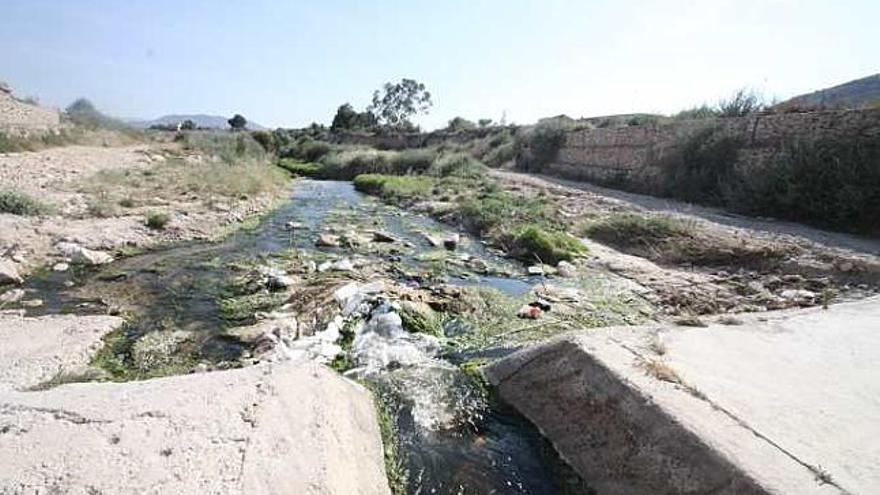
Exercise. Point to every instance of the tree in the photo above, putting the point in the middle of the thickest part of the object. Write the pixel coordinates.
(347, 118)
(188, 125)
(460, 124)
(395, 104)
(483, 123)
(237, 122)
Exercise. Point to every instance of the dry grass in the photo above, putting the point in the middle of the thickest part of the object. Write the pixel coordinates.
(661, 371)
(177, 180)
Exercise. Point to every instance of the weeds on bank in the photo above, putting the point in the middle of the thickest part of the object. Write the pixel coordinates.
(672, 240)
(177, 179)
(17, 203)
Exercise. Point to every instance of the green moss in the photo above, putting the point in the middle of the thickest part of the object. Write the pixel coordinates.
(532, 243)
(419, 322)
(394, 469)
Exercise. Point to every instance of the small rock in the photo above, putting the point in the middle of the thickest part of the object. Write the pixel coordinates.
(32, 303)
(83, 256)
(9, 273)
(379, 236)
(451, 242)
(529, 312)
(10, 296)
(535, 270)
(846, 266)
(542, 304)
(566, 269)
(327, 240)
(800, 296)
(434, 241)
(60, 267)
(18, 258)
(294, 225)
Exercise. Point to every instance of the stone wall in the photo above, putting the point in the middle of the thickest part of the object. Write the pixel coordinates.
(632, 155)
(22, 119)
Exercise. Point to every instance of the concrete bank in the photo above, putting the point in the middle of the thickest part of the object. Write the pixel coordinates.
(291, 426)
(785, 403)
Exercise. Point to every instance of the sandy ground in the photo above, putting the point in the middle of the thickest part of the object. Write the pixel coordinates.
(56, 176)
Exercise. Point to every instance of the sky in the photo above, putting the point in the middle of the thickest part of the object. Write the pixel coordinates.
(290, 63)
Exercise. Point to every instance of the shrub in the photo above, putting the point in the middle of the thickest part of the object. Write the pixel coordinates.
(157, 220)
(829, 182)
(542, 144)
(302, 169)
(703, 167)
(457, 165)
(533, 243)
(395, 188)
(413, 161)
(18, 203)
(308, 149)
(497, 157)
(742, 103)
(491, 211)
(266, 139)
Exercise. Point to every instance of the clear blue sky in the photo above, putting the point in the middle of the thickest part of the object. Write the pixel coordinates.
(288, 63)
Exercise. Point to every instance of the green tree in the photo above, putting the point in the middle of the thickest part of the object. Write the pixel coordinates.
(347, 118)
(460, 124)
(188, 125)
(483, 123)
(237, 122)
(395, 104)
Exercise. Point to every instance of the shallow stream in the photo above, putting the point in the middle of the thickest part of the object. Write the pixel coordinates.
(451, 436)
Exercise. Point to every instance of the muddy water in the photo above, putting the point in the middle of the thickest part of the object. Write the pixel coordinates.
(451, 437)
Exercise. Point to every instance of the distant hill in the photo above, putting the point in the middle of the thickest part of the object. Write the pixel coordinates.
(860, 93)
(201, 120)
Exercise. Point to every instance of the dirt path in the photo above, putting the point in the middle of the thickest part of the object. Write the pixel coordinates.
(717, 216)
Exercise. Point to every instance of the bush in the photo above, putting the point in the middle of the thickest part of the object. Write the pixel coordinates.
(413, 161)
(742, 103)
(17, 203)
(227, 147)
(542, 144)
(302, 169)
(703, 168)
(395, 188)
(497, 157)
(157, 220)
(457, 165)
(532, 243)
(829, 182)
(266, 139)
(492, 211)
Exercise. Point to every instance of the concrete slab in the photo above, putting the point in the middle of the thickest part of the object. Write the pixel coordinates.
(268, 429)
(34, 350)
(783, 403)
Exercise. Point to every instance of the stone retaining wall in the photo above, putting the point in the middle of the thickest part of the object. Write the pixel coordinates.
(633, 154)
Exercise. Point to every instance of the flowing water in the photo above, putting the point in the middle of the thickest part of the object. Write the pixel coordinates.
(452, 436)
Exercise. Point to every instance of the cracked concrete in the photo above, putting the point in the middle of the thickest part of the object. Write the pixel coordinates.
(35, 350)
(270, 428)
(784, 403)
